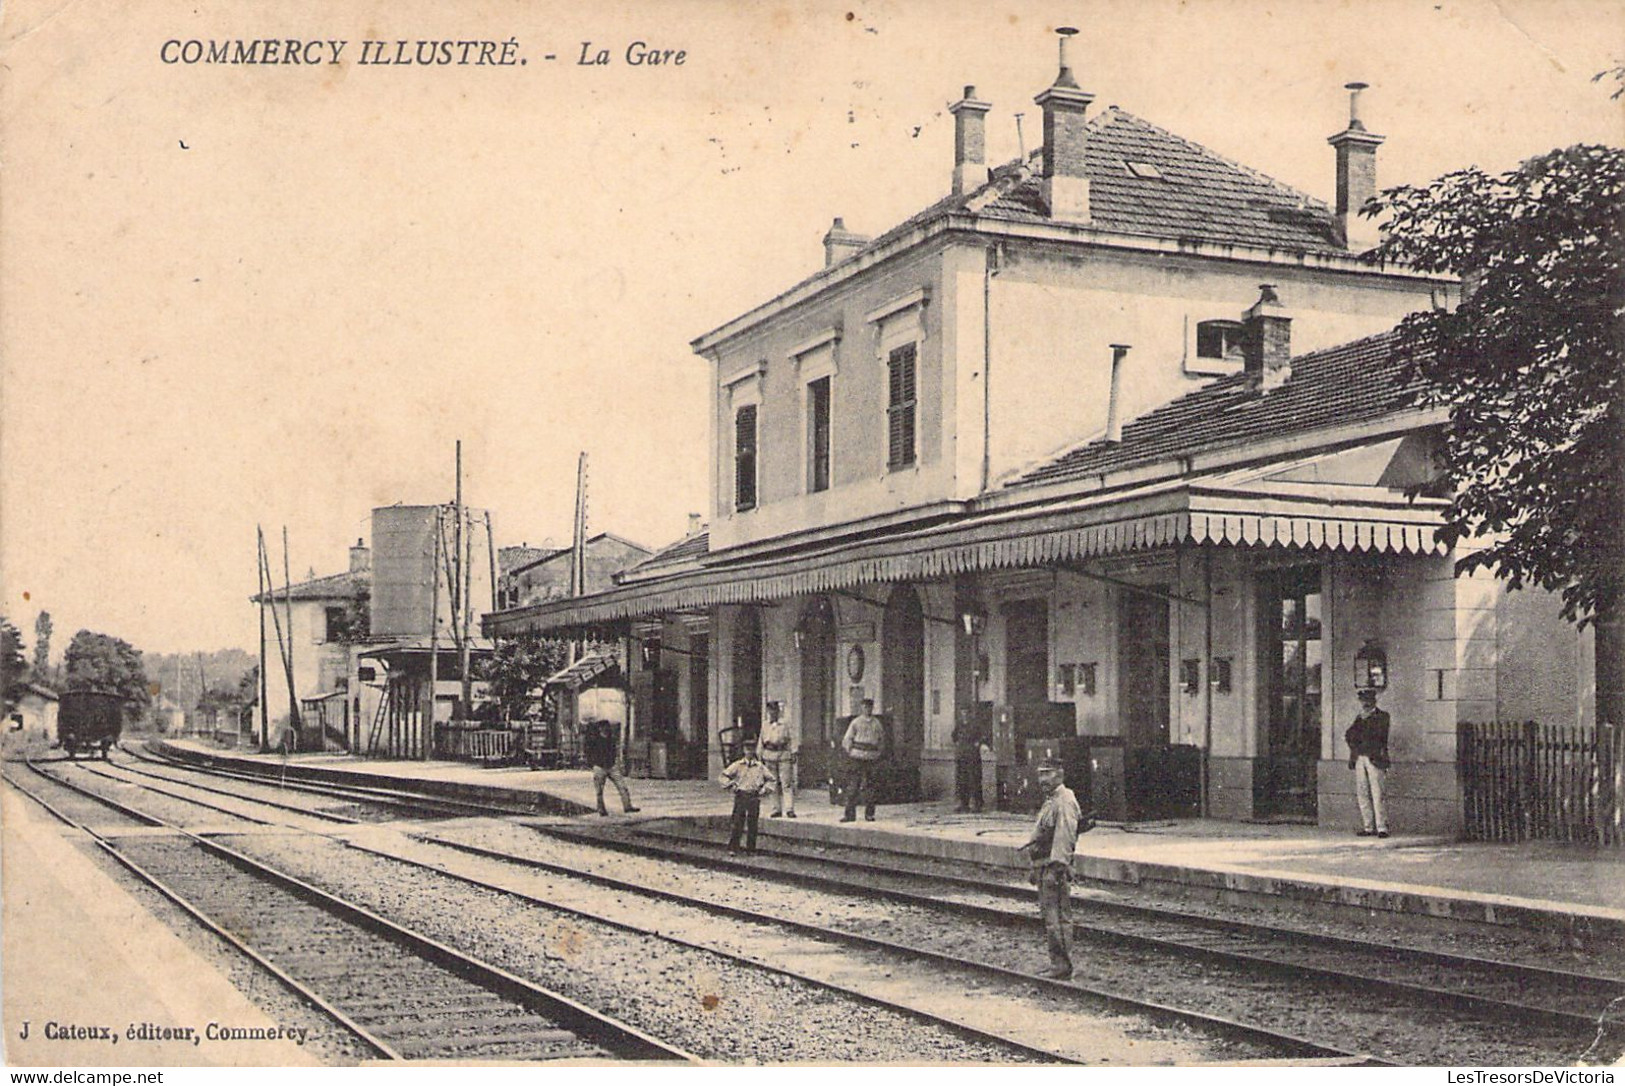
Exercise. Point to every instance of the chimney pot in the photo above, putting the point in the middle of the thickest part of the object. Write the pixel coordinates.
(1114, 408)
(1356, 176)
(1268, 354)
(360, 557)
(1066, 109)
(694, 524)
(970, 142)
(841, 243)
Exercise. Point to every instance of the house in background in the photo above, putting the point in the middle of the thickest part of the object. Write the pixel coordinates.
(323, 619)
(1107, 451)
(547, 575)
(31, 726)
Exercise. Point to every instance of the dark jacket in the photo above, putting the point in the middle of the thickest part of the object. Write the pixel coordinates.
(598, 743)
(1368, 735)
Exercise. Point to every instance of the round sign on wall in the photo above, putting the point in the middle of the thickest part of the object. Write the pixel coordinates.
(854, 663)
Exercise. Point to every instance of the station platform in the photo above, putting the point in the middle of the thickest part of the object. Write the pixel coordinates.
(86, 961)
(1545, 886)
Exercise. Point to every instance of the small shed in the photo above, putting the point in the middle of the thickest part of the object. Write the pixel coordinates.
(31, 725)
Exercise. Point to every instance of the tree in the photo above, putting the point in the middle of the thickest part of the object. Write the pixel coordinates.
(42, 645)
(13, 667)
(519, 666)
(100, 662)
(1529, 364)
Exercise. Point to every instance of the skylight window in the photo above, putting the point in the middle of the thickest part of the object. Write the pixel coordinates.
(1143, 169)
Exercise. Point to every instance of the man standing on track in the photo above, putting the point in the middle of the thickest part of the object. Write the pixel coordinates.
(779, 748)
(1049, 848)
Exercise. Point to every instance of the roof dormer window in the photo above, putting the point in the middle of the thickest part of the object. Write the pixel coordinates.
(1143, 170)
(1220, 341)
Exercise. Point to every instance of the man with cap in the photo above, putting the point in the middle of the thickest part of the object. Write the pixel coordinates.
(1049, 849)
(778, 747)
(1368, 756)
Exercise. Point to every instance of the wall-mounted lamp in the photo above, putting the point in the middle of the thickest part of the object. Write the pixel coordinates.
(650, 652)
(1219, 674)
(973, 620)
(1371, 667)
(1086, 679)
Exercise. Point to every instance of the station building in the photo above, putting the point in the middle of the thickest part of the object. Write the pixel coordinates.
(1108, 450)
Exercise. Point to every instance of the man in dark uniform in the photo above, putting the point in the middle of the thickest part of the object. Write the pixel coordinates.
(968, 740)
(1049, 849)
(1368, 757)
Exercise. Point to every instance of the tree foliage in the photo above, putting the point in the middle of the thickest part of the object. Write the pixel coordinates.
(519, 667)
(97, 661)
(42, 645)
(1529, 365)
(13, 667)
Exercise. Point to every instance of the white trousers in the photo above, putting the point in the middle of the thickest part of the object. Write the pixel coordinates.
(783, 774)
(1368, 781)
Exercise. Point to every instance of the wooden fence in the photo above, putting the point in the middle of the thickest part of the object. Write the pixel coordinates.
(1530, 781)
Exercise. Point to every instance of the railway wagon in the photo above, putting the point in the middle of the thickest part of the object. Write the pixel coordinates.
(88, 719)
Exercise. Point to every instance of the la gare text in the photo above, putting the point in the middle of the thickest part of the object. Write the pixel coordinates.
(478, 53)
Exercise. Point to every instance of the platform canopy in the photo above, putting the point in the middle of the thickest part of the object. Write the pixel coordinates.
(1230, 509)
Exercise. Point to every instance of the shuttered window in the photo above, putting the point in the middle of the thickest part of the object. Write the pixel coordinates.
(818, 435)
(745, 458)
(900, 406)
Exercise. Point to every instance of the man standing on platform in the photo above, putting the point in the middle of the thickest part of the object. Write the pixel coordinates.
(1049, 849)
(1368, 756)
(780, 745)
(601, 744)
(968, 740)
(864, 743)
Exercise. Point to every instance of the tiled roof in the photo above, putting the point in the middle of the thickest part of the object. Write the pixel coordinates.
(1197, 194)
(1352, 382)
(338, 586)
(690, 547)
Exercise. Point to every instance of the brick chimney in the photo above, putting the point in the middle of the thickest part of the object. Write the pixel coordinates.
(1356, 176)
(360, 557)
(970, 142)
(1268, 353)
(841, 243)
(696, 522)
(1065, 183)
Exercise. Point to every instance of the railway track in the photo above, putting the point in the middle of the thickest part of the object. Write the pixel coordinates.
(404, 995)
(1512, 992)
(212, 893)
(1563, 1003)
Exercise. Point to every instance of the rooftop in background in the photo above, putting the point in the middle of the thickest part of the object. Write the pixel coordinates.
(336, 586)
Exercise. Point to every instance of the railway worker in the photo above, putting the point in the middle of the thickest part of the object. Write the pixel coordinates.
(1049, 849)
(749, 780)
(968, 739)
(864, 744)
(601, 744)
(779, 747)
(1368, 757)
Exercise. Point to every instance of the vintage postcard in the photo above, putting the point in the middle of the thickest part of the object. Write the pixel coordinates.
(903, 533)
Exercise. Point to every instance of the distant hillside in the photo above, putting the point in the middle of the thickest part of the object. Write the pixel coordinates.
(176, 674)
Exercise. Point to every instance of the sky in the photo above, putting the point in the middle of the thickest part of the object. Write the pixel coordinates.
(240, 295)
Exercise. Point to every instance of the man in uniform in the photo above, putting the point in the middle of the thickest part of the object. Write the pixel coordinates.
(1049, 849)
(779, 745)
(601, 745)
(968, 740)
(1368, 756)
(864, 743)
